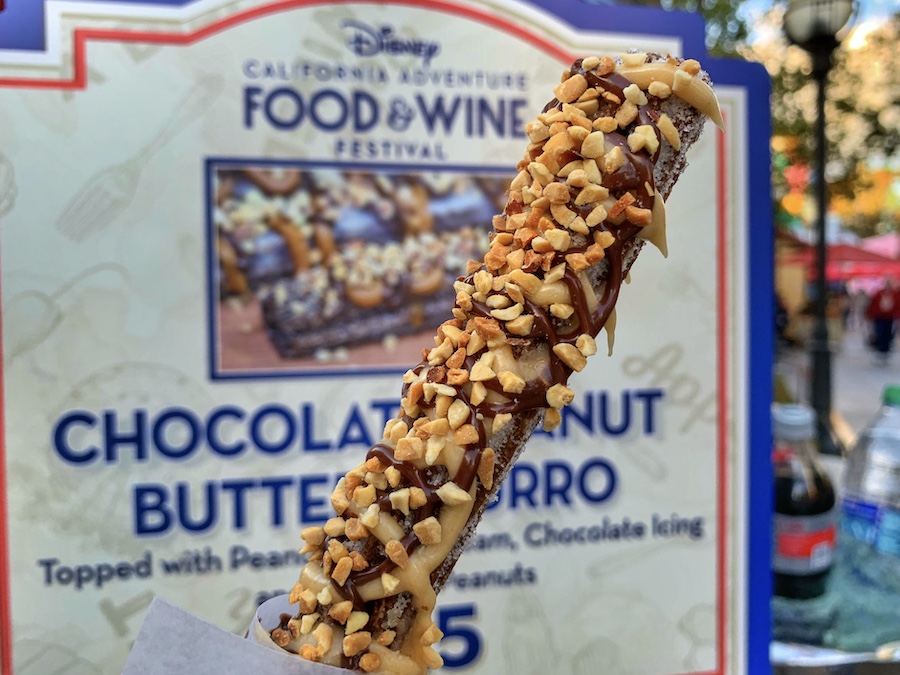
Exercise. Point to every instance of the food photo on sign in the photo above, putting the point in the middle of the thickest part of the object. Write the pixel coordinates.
(344, 357)
(326, 266)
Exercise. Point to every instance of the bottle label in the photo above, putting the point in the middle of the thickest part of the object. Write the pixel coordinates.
(875, 524)
(803, 545)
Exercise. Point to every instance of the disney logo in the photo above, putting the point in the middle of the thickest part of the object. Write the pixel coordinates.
(370, 41)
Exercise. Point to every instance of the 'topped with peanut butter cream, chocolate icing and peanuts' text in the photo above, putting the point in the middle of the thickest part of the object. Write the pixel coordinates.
(604, 154)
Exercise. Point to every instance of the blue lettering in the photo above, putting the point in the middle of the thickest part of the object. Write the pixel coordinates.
(625, 415)
(649, 397)
(213, 437)
(496, 120)
(557, 483)
(321, 98)
(518, 110)
(608, 481)
(365, 111)
(355, 431)
(152, 514)
(238, 487)
(584, 416)
(309, 441)
(112, 439)
(328, 109)
(311, 508)
(251, 103)
(161, 440)
(251, 68)
(61, 437)
(438, 113)
(522, 481)
(277, 485)
(291, 107)
(184, 508)
(256, 429)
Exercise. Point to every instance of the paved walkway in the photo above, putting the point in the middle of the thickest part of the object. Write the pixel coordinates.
(857, 381)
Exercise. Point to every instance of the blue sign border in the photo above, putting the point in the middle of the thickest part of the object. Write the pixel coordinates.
(23, 24)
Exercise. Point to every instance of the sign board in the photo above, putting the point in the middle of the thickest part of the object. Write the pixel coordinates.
(183, 188)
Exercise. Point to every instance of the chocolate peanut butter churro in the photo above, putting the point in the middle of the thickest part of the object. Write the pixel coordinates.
(604, 154)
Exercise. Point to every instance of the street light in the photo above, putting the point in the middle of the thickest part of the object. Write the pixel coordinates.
(814, 26)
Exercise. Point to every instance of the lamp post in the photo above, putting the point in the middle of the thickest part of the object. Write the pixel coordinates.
(814, 25)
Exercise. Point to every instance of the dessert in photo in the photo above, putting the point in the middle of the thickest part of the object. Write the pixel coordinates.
(327, 259)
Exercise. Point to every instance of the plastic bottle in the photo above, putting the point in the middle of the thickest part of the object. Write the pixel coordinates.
(804, 531)
(868, 576)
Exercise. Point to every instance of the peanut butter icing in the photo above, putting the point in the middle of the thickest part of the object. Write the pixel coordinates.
(526, 317)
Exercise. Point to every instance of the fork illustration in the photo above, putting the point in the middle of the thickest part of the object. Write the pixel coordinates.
(8, 189)
(100, 201)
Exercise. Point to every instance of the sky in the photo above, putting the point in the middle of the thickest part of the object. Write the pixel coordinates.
(869, 13)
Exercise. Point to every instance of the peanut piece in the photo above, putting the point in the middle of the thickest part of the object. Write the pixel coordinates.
(340, 611)
(485, 468)
(398, 555)
(342, 571)
(389, 583)
(356, 621)
(428, 531)
(586, 344)
(369, 662)
(571, 89)
(451, 494)
(559, 396)
(570, 355)
(355, 643)
(511, 383)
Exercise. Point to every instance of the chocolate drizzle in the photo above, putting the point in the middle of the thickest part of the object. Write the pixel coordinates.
(634, 177)
(524, 320)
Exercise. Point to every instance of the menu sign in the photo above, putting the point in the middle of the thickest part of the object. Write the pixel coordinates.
(226, 229)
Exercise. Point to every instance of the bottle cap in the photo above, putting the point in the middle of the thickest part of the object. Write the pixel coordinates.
(793, 421)
(891, 395)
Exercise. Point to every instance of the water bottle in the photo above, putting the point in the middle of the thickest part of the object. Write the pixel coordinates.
(868, 577)
(804, 529)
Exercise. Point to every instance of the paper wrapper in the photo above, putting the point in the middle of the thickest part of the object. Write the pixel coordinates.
(174, 641)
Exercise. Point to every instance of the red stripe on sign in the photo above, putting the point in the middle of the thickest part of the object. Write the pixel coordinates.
(722, 367)
(5, 600)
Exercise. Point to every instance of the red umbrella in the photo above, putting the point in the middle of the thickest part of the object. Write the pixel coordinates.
(844, 271)
(883, 244)
(837, 253)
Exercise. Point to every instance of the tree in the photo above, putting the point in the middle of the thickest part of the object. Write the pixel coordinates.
(726, 29)
(862, 107)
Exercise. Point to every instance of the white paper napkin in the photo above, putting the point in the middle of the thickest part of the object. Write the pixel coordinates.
(174, 641)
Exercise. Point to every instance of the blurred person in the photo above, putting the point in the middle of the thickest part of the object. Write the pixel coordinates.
(859, 303)
(883, 310)
(843, 304)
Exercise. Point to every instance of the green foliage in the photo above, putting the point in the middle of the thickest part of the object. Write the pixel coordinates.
(862, 109)
(726, 30)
